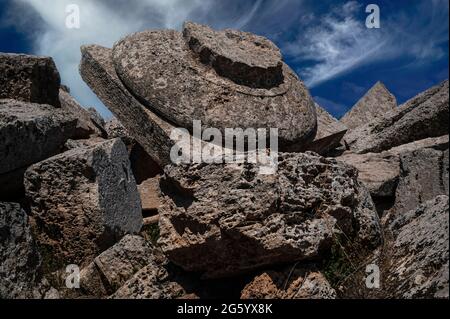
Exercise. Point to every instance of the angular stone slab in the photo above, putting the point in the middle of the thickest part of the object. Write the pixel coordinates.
(115, 129)
(161, 70)
(221, 220)
(149, 191)
(423, 176)
(112, 268)
(329, 133)
(31, 132)
(422, 117)
(381, 172)
(374, 105)
(419, 257)
(289, 284)
(151, 282)
(82, 202)
(86, 121)
(20, 260)
(29, 78)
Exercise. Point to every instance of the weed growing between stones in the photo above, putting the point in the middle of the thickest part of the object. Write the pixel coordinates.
(151, 233)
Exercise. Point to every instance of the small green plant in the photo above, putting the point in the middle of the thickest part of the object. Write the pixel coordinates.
(338, 266)
(151, 233)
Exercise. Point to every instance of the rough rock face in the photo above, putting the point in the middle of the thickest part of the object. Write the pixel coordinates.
(19, 258)
(242, 57)
(29, 133)
(151, 132)
(226, 219)
(381, 172)
(151, 282)
(419, 264)
(374, 105)
(329, 132)
(378, 171)
(73, 144)
(437, 143)
(150, 192)
(142, 164)
(82, 202)
(423, 117)
(202, 76)
(424, 175)
(29, 79)
(297, 284)
(96, 117)
(114, 129)
(111, 269)
(157, 280)
(86, 122)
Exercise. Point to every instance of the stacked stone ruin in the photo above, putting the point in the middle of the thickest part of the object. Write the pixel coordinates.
(345, 193)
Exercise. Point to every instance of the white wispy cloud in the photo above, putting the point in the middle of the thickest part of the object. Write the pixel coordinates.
(339, 41)
(106, 21)
(332, 43)
(102, 22)
(336, 46)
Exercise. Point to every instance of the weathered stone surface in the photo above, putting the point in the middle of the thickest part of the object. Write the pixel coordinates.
(419, 260)
(47, 292)
(151, 132)
(423, 176)
(378, 171)
(381, 172)
(29, 79)
(225, 219)
(445, 175)
(92, 283)
(19, 258)
(96, 117)
(82, 202)
(169, 78)
(374, 105)
(242, 57)
(150, 193)
(29, 133)
(423, 117)
(142, 164)
(329, 132)
(114, 129)
(111, 269)
(438, 143)
(72, 144)
(157, 280)
(296, 284)
(151, 282)
(153, 220)
(87, 124)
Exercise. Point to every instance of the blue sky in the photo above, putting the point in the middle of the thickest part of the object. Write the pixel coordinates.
(325, 42)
